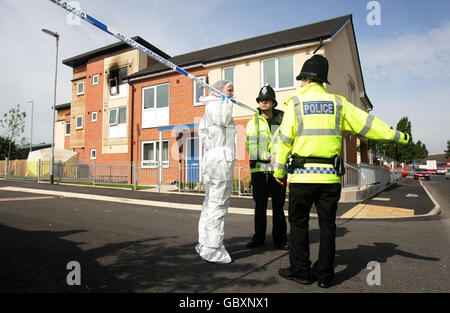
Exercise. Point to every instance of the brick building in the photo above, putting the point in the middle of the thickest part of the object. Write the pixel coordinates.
(128, 108)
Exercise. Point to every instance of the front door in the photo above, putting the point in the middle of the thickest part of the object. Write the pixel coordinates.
(192, 161)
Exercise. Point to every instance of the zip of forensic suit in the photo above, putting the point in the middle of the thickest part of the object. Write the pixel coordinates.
(262, 139)
(312, 128)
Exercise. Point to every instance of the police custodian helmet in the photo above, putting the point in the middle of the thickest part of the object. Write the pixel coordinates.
(267, 93)
(316, 68)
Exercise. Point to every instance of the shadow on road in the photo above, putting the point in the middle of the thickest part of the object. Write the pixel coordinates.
(36, 261)
(356, 260)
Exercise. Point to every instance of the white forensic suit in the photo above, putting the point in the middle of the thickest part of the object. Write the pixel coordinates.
(217, 135)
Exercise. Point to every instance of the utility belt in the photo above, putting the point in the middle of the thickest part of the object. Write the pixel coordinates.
(253, 162)
(295, 162)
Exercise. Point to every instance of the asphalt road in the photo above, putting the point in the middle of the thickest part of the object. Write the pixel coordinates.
(132, 248)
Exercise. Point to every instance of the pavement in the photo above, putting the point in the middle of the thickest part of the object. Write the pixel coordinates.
(404, 199)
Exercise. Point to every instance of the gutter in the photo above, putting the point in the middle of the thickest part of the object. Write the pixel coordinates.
(261, 54)
(165, 72)
(285, 49)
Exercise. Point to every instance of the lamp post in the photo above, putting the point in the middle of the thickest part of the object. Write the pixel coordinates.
(56, 35)
(31, 133)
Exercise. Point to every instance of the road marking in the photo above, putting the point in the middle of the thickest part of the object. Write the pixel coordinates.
(382, 199)
(367, 210)
(411, 195)
(24, 198)
(173, 205)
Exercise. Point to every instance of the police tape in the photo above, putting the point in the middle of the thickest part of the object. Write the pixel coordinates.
(88, 18)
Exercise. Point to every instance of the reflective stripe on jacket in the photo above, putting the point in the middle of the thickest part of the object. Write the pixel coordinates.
(260, 142)
(312, 127)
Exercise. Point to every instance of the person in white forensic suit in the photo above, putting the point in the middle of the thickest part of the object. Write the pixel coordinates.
(217, 136)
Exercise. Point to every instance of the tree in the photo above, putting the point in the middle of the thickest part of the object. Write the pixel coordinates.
(447, 152)
(13, 124)
(401, 152)
(404, 125)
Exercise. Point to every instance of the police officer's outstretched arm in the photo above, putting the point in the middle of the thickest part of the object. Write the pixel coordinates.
(287, 137)
(365, 125)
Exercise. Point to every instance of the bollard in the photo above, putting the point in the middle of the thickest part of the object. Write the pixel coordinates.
(179, 176)
(93, 173)
(239, 181)
(6, 168)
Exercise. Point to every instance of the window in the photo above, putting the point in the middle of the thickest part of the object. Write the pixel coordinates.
(93, 154)
(150, 154)
(156, 97)
(199, 91)
(116, 79)
(93, 116)
(351, 92)
(95, 80)
(117, 122)
(79, 122)
(228, 73)
(67, 129)
(155, 106)
(80, 88)
(278, 72)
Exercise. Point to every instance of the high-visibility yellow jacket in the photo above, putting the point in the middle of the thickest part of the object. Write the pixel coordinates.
(312, 127)
(262, 140)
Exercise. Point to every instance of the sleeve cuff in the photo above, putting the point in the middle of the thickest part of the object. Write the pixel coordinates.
(278, 173)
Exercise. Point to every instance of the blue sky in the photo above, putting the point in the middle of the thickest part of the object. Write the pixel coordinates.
(405, 60)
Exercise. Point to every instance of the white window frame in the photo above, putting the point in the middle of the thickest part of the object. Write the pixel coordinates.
(234, 72)
(95, 79)
(95, 154)
(352, 98)
(277, 78)
(78, 88)
(153, 163)
(92, 116)
(76, 122)
(203, 78)
(67, 134)
(116, 121)
(155, 109)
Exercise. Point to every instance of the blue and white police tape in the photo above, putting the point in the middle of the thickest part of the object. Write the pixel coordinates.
(86, 17)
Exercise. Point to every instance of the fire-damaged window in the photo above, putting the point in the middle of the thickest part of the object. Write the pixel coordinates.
(116, 79)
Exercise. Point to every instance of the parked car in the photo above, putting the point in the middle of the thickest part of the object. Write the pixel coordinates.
(433, 172)
(441, 171)
(447, 175)
(404, 172)
(422, 173)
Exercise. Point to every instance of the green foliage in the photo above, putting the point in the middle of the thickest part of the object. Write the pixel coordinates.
(401, 152)
(13, 124)
(447, 152)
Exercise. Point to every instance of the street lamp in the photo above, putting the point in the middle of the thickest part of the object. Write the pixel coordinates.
(56, 35)
(31, 135)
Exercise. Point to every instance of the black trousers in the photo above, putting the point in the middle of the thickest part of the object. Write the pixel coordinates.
(265, 186)
(301, 197)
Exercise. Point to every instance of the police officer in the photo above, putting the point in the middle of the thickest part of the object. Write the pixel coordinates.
(310, 147)
(262, 140)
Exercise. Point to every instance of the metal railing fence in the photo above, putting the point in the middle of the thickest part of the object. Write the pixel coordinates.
(173, 176)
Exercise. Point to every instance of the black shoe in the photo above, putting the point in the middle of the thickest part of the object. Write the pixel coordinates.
(286, 273)
(283, 246)
(254, 244)
(322, 284)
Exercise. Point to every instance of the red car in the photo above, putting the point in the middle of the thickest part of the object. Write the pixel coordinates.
(404, 172)
(433, 172)
(422, 173)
